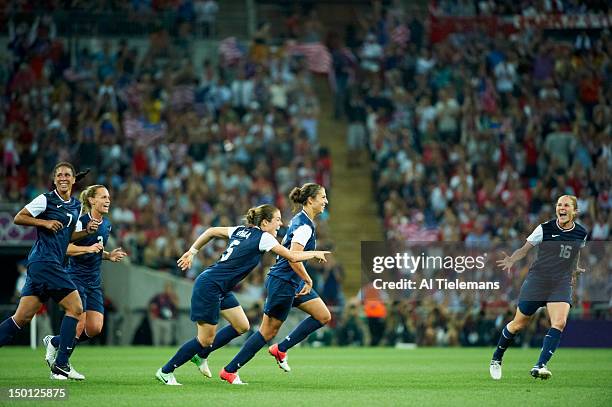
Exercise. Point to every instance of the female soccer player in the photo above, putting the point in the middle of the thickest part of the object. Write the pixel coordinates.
(288, 285)
(212, 289)
(55, 215)
(86, 257)
(548, 282)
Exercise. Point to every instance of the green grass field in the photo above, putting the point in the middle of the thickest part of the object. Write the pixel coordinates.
(328, 376)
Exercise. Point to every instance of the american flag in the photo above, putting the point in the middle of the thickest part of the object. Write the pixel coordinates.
(143, 133)
(230, 51)
(400, 35)
(318, 57)
(182, 96)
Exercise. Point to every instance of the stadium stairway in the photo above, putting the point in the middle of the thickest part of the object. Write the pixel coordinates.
(353, 216)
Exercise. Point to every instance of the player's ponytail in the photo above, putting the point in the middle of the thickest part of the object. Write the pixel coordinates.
(87, 193)
(299, 196)
(256, 215)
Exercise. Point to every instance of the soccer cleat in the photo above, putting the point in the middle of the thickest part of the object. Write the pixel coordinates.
(50, 350)
(281, 357)
(66, 371)
(495, 369)
(541, 372)
(74, 375)
(166, 378)
(202, 365)
(231, 378)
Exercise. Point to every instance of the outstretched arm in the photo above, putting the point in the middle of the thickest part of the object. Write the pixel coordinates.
(508, 261)
(215, 232)
(296, 256)
(114, 255)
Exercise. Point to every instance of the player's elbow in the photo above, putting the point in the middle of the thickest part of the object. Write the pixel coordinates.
(19, 219)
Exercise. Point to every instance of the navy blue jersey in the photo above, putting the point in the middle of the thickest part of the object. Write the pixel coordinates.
(51, 246)
(86, 267)
(243, 253)
(557, 250)
(301, 230)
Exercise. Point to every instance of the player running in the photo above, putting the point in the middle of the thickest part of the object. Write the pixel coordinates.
(288, 285)
(86, 257)
(55, 215)
(212, 289)
(548, 282)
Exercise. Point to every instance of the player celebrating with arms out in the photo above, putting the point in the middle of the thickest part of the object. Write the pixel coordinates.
(55, 215)
(212, 289)
(84, 264)
(548, 283)
(288, 285)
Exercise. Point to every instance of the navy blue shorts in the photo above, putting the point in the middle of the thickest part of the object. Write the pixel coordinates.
(537, 293)
(280, 297)
(208, 299)
(47, 280)
(91, 297)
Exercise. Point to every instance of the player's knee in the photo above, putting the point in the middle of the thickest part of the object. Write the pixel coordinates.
(268, 332)
(324, 317)
(517, 325)
(206, 340)
(22, 319)
(559, 324)
(241, 327)
(93, 330)
(75, 310)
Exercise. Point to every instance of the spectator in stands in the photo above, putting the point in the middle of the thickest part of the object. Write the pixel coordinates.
(163, 312)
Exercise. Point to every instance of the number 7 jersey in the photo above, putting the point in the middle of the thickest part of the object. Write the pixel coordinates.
(51, 246)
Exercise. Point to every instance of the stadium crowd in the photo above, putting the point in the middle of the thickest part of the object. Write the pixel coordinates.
(181, 144)
(470, 138)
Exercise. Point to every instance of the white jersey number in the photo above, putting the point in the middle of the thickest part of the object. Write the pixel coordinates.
(229, 250)
(566, 251)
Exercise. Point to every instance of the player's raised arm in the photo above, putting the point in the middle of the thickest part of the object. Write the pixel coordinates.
(508, 261)
(215, 232)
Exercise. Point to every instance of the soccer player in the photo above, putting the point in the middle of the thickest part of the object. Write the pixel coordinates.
(548, 282)
(288, 285)
(55, 215)
(86, 257)
(212, 289)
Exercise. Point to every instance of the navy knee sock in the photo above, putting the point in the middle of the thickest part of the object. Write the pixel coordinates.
(67, 339)
(551, 342)
(223, 337)
(505, 340)
(183, 355)
(246, 353)
(8, 329)
(299, 333)
(56, 339)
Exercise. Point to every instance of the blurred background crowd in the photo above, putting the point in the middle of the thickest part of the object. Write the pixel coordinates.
(470, 136)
